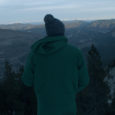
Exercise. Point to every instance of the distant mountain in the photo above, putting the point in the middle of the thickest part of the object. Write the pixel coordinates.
(74, 23)
(16, 39)
(30, 26)
(102, 25)
(96, 25)
(20, 26)
(35, 23)
(14, 45)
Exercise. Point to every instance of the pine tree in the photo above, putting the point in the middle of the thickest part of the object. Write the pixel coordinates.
(8, 87)
(11, 87)
(97, 74)
(18, 97)
(27, 96)
(93, 100)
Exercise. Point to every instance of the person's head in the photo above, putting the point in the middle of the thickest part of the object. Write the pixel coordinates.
(53, 26)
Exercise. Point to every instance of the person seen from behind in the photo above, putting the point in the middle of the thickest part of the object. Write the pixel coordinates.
(56, 70)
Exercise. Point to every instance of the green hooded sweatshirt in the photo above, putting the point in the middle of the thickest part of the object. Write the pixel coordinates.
(57, 71)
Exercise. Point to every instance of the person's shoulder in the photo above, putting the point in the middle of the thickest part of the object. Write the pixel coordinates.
(75, 49)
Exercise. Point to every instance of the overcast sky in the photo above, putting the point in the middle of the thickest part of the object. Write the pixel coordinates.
(16, 11)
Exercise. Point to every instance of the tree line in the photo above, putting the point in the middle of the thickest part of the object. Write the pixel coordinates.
(17, 99)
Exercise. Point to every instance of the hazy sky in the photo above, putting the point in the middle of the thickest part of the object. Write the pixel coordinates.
(15, 11)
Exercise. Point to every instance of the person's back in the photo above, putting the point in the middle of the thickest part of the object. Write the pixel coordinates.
(56, 70)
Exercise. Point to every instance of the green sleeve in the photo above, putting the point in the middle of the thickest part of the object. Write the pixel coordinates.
(28, 74)
(83, 75)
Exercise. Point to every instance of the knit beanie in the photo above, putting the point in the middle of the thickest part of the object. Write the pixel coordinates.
(53, 26)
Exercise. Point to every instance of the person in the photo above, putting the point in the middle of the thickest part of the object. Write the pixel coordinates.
(56, 70)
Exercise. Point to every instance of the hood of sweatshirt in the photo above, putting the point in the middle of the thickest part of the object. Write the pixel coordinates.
(49, 44)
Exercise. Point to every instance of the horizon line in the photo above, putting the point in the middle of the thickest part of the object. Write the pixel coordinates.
(41, 22)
